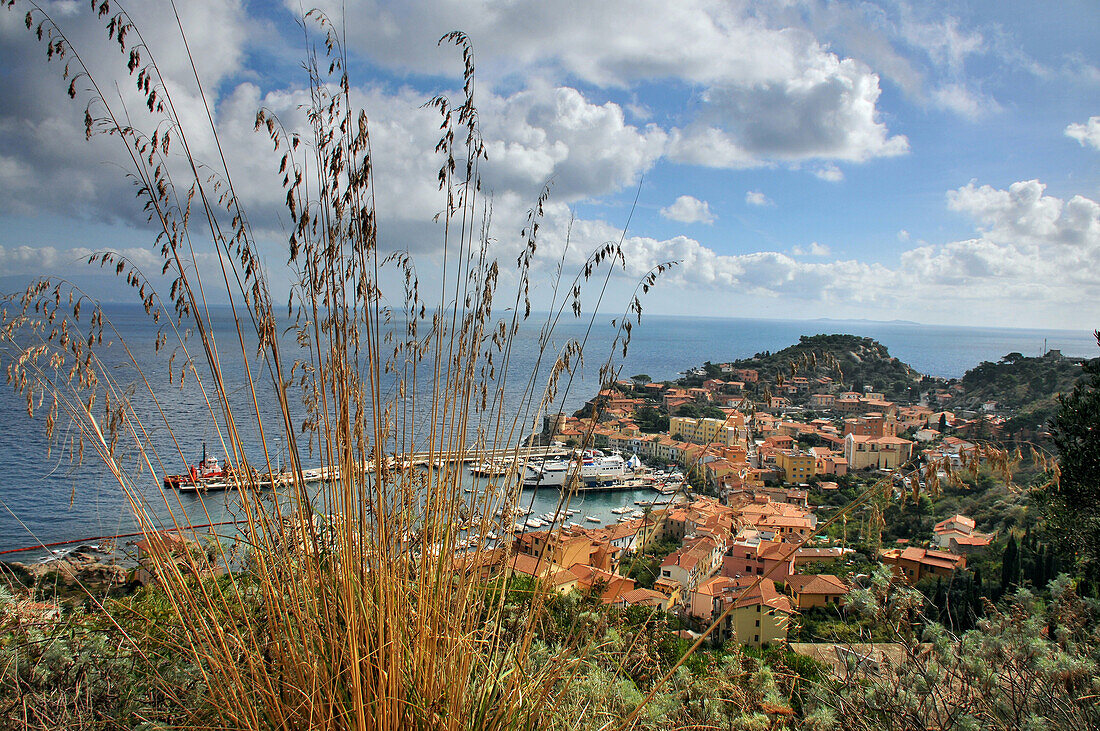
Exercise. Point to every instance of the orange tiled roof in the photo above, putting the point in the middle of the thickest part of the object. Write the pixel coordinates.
(816, 584)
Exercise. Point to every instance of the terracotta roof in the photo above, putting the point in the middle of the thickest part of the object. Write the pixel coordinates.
(738, 589)
(687, 557)
(784, 521)
(816, 584)
(616, 584)
(617, 530)
(972, 540)
(521, 563)
(956, 518)
(642, 596)
(939, 559)
(775, 550)
(831, 552)
(560, 578)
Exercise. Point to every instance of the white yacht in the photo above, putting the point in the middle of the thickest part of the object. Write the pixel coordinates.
(549, 473)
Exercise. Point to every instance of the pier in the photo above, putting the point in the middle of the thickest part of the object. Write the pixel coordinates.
(423, 458)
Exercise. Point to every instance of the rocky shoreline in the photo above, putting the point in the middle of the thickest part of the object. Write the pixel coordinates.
(82, 570)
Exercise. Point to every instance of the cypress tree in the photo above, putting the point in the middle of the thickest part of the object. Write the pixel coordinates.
(1031, 564)
(1010, 564)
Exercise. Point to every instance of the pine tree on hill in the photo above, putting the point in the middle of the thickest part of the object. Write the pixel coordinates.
(1073, 507)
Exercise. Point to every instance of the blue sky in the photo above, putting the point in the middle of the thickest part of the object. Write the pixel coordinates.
(937, 162)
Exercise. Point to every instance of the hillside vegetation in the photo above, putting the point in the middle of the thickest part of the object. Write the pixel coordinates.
(1028, 387)
(853, 361)
(1016, 382)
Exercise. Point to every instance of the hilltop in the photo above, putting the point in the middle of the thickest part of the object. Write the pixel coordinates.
(1017, 382)
(1026, 387)
(852, 362)
(1021, 391)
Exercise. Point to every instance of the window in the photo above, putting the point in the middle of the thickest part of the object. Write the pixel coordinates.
(758, 623)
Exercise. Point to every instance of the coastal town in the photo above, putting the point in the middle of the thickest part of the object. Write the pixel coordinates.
(741, 539)
(809, 527)
(739, 492)
(330, 403)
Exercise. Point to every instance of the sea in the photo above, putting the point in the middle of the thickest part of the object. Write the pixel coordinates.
(46, 498)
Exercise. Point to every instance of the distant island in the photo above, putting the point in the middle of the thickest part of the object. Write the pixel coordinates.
(864, 319)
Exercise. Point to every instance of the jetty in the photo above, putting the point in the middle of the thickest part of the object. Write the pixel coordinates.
(504, 454)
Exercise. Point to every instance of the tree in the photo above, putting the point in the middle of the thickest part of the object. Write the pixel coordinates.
(943, 423)
(1010, 564)
(641, 379)
(650, 420)
(689, 410)
(1072, 505)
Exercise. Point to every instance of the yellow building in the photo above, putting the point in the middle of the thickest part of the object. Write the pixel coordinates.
(760, 616)
(797, 467)
(816, 590)
(722, 432)
(566, 548)
(863, 452)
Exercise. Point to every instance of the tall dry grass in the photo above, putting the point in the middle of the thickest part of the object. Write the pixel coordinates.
(355, 606)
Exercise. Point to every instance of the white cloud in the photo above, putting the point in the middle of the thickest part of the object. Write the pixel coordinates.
(814, 249)
(917, 47)
(829, 173)
(44, 130)
(763, 273)
(829, 111)
(903, 235)
(771, 91)
(546, 133)
(756, 198)
(768, 94)
(1031, 260)
(965, 102)
(1023, 215)
(942, 39)
(687, 209)
(1087, 133)
(1028, 245)
(51, 260)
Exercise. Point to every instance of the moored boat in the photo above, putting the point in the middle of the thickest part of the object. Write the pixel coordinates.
(488, 469)
(207, 473)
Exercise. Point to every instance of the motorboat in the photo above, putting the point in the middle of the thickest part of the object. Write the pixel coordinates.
(488, 469)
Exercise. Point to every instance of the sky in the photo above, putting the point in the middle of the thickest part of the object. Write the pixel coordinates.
(934, 161)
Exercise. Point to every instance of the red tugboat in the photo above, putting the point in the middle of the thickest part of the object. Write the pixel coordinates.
(205, 475)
